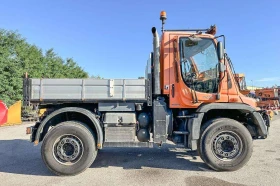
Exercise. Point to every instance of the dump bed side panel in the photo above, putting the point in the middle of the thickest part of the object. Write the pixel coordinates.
(84, 90)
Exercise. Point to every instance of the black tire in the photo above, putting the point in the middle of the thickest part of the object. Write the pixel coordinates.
(225, 144)
(78, 136)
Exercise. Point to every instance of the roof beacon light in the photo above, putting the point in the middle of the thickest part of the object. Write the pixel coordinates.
(162, 18)
(163, 15)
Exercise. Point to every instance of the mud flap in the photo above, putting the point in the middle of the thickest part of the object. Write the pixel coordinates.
(266, 119)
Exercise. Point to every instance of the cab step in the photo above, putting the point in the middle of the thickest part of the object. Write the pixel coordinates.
(184, 117)
(181, 132)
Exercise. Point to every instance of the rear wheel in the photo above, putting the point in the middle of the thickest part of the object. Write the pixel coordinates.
(225, 144)
(69, 148)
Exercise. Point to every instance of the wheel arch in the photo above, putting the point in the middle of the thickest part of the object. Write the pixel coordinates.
(92, 123)
(240, 112)
(202, 113)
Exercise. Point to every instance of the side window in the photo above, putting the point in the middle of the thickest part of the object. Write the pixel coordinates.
(199, 64)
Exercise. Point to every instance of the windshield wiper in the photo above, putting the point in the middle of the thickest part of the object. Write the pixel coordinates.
(183, 52)
(195, 100)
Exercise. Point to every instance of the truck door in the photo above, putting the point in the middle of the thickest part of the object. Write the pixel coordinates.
(198, 74)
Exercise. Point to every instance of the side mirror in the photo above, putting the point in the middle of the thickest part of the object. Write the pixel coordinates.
(220, 50)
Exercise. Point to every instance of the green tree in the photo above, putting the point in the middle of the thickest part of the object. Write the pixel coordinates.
(10, 66)
(17, 57)
(96, 77)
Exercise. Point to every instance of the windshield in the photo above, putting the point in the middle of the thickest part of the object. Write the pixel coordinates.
(199, 63)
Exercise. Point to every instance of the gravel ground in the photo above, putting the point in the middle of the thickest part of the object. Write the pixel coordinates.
(21, 164)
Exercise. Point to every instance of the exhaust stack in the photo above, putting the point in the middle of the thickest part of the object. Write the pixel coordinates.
(156, 61)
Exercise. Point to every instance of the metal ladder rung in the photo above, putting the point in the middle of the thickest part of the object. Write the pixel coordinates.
(189, 116)
(181, 132)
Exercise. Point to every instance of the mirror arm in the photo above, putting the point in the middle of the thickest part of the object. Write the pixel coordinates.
(224, 40)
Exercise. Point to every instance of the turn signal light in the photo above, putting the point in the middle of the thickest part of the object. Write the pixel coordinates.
(233, 100)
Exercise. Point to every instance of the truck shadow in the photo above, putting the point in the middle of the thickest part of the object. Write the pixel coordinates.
(19, 156)
(166, 157)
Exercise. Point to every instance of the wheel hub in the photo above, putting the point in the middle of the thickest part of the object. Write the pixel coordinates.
(68, 149)
(227, 145)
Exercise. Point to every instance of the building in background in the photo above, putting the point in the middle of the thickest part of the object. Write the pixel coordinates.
(253, 87)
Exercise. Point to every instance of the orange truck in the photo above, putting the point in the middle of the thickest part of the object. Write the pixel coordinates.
(189, 96)
(268, 98)
(240, 79)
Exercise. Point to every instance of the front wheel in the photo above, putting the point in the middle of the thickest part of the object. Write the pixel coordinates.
(69, 148)
(225, 144)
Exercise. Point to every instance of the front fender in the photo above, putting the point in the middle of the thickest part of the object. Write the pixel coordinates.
(258, 116)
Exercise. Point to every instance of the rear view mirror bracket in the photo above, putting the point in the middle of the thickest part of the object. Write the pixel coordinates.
(222, 67)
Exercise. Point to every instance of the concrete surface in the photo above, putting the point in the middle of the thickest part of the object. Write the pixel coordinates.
(21, 164)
